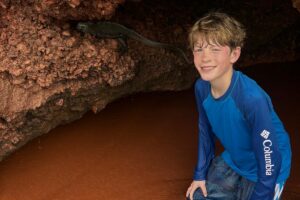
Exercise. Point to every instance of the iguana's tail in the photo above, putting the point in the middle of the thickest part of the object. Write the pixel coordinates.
(134, 35)
(166, 46)
(178, 50)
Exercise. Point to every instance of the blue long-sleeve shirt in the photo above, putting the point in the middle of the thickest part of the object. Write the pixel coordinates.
(256, 144)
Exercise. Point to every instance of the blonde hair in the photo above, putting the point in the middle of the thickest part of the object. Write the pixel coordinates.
(218, 28)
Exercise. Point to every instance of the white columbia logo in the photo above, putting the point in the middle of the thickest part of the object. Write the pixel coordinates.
(267, 145)
(265, 134)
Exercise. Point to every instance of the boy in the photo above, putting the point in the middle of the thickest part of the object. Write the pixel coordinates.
(233, 108)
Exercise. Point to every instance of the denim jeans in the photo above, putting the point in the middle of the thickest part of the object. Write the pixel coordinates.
(224, 184)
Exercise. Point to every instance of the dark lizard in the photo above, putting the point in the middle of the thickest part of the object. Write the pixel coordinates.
(117, 31)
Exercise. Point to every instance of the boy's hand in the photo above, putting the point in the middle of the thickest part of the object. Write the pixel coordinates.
(194, 186)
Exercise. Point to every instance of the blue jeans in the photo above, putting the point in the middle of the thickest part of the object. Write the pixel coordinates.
(224, 184)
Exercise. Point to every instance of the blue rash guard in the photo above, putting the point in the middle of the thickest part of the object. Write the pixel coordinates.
(256, 144)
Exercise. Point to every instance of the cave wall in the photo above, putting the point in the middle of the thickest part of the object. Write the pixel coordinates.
(51, 74)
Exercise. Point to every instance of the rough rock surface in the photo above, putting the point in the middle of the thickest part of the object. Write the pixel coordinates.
(51, 74)
(78, 9)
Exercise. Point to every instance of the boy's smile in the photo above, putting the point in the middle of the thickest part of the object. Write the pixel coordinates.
(207, 68)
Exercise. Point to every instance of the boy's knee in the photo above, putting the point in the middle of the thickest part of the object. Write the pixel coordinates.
(197, 195)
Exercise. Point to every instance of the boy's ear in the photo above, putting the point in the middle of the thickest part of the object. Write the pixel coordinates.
(235, 54)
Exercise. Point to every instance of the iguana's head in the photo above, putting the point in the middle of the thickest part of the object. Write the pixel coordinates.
(83, 26)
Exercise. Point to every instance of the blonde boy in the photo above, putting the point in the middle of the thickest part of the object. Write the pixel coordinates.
(234, 109)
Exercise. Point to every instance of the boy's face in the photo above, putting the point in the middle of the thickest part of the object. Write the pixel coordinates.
(214, 61)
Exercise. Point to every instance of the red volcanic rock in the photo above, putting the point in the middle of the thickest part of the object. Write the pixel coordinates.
(41, 63)
(77, 9)
(51, 74)
(74, 3)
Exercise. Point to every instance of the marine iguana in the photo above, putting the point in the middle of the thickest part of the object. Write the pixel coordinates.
(117, 31)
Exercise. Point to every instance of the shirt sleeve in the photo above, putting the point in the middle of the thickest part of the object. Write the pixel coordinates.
(206, 146)
(264, 142)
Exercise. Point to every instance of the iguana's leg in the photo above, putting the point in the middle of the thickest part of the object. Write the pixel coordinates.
(122, 45)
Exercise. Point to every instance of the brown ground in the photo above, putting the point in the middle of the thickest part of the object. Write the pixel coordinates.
(141, 147)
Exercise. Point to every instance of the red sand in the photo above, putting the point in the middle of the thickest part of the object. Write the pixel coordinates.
(140, 147)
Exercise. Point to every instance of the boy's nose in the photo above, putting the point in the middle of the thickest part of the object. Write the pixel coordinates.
(205, 57)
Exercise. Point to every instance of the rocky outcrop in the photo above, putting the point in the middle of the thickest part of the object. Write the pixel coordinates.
(52, 74)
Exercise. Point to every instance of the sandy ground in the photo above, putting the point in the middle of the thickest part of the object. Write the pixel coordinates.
(139, 147)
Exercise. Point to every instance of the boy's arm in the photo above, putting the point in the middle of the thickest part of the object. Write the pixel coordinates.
(265, 146)
(206, 144)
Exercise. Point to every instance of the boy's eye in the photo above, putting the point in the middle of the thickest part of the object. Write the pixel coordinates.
(197, 49)
(215, 49)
